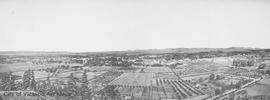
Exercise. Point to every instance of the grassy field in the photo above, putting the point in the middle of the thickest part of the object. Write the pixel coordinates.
(22, 98)
(90, 75)
(260, 88)
(195, 76)
(157, 70)
(220, 60)
(78, 74)
(18, 67)
(134, 79)
(38, 74)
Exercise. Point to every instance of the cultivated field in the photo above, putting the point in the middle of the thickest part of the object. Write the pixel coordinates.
(38, 74)
(18, 67)
(157, 70)
(134, 79)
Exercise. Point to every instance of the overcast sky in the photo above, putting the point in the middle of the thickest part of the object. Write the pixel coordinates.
(108, 25)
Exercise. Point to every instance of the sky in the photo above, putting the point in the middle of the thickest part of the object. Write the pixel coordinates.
(113, 25)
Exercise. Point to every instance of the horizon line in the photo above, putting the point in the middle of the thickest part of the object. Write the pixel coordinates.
(127, 49)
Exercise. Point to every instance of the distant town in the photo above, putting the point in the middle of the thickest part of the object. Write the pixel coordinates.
(168, 74)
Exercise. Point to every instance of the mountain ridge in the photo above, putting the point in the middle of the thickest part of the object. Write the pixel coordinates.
(137, 51)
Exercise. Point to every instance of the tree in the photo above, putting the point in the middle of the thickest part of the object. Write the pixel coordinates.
(1, 98)
(84, 89)
(8, 82)
(33, 81)
(218, 77)
(250, 62)
(223, 89)
(72, 85)
(201, 79)
(267, 72)
(238, 85)
(11, 81)
(262, 66)
(26, 79)
(231, 96)
(48, 81)
(84, 77)
(217, 91)
(212, 77)
(111, 93)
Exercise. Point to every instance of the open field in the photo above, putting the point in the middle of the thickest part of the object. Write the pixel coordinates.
(190, 77)
(100, 68)
(90, 75)
(18, 67)
(260, 88)
(161, 88)
(220, 60)
(134, 79)
(38, 74)
(157, 69)
(154, 85)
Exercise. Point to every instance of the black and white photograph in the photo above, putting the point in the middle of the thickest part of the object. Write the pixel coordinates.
(134, 49)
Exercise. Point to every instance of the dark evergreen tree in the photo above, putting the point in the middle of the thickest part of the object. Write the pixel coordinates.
(84, 77)
(11, 81)
(26, 79)
(85, 92)
(267, 72)
(212, 77)
(33, 81)
(111, 93)
(218, 77)
(72, 85)
(217, 91)
(48, 81)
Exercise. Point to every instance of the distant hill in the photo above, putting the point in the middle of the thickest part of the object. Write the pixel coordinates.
(174, 50)
(132, 52)
(32, 53)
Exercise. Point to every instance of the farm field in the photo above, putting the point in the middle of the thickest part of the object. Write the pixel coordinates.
(78, 74)
(38, 74)
(163, 88)
(220, 60)
(190, 77)
(154, 85)
(18, 67)
(260, 88)
(90, 75)
(201, 67)
(170, 75)
(21, 97)
(157, 69)
(134, 79)
(105, 78)
(100, 68)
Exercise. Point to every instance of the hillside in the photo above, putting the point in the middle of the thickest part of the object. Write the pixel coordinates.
(131, 52)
